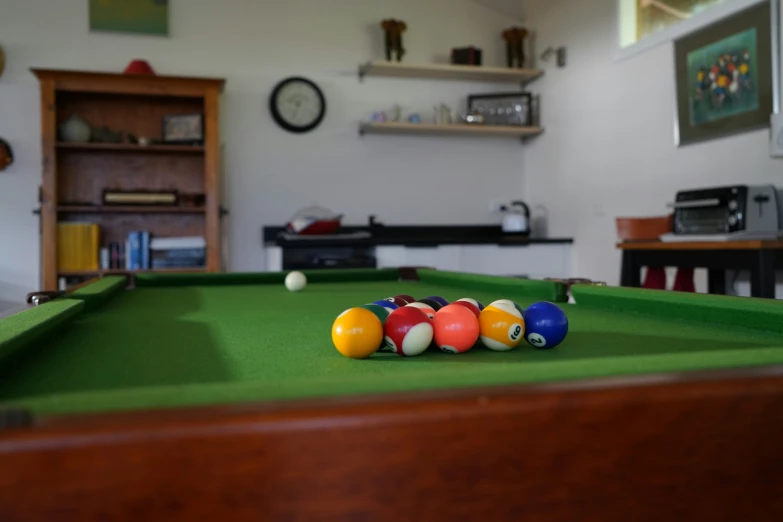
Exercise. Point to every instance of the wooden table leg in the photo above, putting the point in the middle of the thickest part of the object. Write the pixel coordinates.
(716, 281)
(762, 275)
(630, 271)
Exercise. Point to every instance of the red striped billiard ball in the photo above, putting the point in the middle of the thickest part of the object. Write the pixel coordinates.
(474, 302)
(408, 331)
(470, 306)
(396, 300)
(424, 307)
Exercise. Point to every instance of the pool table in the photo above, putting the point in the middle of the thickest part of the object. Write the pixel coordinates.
(183, 397)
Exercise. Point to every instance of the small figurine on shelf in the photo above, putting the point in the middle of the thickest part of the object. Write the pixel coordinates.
(6, 155)
(515, 46)
(443, 115)
(393, 30)
(104, 134)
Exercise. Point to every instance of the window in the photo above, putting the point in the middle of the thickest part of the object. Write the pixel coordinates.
(644, 24)
(642, 18)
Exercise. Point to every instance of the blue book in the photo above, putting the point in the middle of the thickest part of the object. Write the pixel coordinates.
(134, 249)
(189, 253)
(145, 250)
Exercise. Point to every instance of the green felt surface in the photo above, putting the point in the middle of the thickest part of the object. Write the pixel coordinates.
(184, 345)
(26, 327)
(99, 292)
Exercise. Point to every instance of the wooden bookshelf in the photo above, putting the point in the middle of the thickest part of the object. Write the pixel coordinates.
(444, 71)
(419, 129)
(131, 147)
(82, 171)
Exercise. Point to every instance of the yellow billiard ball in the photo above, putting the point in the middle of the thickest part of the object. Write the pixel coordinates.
(357, 333)
(502, 326)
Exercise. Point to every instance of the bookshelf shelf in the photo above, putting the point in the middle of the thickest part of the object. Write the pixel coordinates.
(114, 271)
(130, 147)
(129, 209)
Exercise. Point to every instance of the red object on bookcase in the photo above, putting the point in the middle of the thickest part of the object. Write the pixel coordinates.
(142, 67)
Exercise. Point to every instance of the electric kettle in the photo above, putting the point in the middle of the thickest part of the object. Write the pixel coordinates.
(516, 218)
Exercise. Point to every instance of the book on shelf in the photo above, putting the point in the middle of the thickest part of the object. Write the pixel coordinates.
(139, 197)
(79, 250)
(177, 243)
(145, 250)
(178, 263)
(185, 253)
(78, 246)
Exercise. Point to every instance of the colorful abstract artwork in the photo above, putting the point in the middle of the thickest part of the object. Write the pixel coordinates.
(723, 74)
(723, 80)
(130, 16)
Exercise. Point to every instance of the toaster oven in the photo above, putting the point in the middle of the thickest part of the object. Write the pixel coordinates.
(736, 210)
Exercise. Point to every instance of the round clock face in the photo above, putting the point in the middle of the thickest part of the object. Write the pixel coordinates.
(297, 104)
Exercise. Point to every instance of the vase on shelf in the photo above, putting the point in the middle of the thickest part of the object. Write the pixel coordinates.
(75, 130)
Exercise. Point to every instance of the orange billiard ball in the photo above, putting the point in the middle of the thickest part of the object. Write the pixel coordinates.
(456, 329)
(357, 333)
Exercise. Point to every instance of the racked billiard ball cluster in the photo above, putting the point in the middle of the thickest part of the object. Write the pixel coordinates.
(408, 327)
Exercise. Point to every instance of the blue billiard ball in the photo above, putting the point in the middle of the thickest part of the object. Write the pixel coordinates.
(438, 299)
(546, 325)
(386, 304)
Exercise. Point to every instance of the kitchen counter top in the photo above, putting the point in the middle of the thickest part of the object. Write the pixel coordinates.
(409, 236)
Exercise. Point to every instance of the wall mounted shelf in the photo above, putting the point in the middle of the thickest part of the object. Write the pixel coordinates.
(449, 72)
(449, 130)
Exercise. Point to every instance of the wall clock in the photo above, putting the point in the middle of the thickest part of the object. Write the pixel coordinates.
(297, 104)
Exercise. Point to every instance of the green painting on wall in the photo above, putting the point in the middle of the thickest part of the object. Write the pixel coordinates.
(130, 16)
(723, 78)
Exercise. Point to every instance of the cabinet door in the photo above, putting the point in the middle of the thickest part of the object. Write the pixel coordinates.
(390, 256)
(446, 257)
(534, 261)
(421, 256)
(273, 257)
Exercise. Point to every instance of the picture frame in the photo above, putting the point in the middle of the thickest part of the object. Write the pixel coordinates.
(183, 128)
(515, 108)
(145, 17)
(725, 76)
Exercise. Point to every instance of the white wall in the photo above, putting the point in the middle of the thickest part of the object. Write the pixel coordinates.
(270, 173)
(608, 149)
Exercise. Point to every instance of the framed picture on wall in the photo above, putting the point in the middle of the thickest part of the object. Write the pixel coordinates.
(503, 108)
(724, 77)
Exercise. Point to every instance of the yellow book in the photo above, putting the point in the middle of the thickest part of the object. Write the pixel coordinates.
(77, 247)
(84, 243)
(95, 241)
(86, 240)
(61, 261)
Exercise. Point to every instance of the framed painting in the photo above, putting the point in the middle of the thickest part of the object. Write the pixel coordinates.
(130, 16)
(724, 75)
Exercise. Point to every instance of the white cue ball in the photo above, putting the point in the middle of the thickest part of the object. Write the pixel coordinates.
(295, 281)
